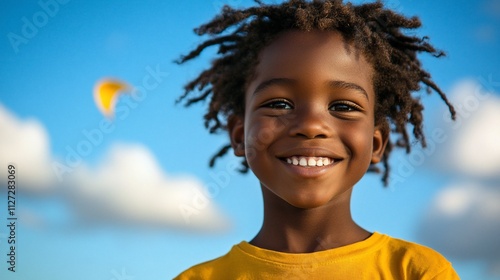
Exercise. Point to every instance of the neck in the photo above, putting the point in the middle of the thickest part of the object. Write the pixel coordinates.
(290, 229)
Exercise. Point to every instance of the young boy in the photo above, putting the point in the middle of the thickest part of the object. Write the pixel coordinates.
(309, 93)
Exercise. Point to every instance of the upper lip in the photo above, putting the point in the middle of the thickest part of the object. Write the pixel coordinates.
(309, 152)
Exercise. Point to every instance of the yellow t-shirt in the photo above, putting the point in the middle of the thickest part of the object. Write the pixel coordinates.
(377, 257)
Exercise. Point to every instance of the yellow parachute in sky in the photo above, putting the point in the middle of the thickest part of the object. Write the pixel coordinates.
(106, 93)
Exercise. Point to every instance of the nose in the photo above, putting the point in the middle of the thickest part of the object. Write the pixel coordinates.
(311, 122)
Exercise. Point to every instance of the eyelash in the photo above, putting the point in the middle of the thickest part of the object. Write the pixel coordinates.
(350, 106)
(347, 105)
(271, 104)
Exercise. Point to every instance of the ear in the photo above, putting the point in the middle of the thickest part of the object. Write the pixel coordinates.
(236, 129)
(380, 139)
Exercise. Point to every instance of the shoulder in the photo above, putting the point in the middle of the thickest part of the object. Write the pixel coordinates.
(418, 259)
(201, 271)
(414, 251)
(209, 269)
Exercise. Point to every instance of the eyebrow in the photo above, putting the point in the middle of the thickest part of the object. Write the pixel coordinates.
(333, 84)
(347, 85)
(272, 82)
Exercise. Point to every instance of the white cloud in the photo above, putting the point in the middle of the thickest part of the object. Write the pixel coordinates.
(25, 143)
(129, 187)
(472, 142)
(464, 222)
(475, 148)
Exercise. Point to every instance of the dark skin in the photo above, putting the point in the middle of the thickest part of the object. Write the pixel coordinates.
(311, 100)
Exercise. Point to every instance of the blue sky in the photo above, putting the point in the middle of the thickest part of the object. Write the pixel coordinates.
(112, 217)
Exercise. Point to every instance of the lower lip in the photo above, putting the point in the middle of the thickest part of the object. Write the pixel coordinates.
(308, 171)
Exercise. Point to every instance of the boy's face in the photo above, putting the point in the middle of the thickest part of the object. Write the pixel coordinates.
(308, 131)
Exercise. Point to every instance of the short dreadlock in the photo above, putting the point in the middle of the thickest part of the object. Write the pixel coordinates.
(241, 34)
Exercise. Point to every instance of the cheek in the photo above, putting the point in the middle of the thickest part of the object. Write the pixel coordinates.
(261, 132)
(359, 139)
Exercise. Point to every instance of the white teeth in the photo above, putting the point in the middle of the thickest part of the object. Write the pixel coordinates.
(309, 161)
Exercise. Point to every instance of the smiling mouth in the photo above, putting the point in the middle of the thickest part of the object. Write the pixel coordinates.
(304, 161)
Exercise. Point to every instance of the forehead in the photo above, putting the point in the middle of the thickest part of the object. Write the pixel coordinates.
(313, 55)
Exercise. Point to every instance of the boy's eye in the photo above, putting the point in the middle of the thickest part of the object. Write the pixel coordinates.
(278, 104)
(344, 107)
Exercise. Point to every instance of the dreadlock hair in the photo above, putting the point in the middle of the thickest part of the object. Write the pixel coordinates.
(241, 34)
